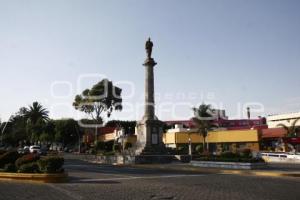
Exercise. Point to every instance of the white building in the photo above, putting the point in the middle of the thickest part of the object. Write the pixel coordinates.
(286, 119)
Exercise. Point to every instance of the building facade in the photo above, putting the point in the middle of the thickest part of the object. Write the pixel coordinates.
(217, 141)
(228, 124)
(107, 134)
(286, 119)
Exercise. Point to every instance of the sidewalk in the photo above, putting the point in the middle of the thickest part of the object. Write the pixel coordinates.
(193, 169)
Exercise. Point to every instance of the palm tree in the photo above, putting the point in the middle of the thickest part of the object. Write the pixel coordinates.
(290, 131)
(36, 112)
(203, 119)
(36, 116)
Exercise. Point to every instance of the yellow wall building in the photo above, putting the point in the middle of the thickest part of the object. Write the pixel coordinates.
(218, 141)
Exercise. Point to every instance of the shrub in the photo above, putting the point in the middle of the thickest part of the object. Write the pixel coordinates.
(116, 147)
(29, 168)
(8, 157)
(109, 146)
(183, 149)
(51, 164)
(2, 151)
(128, 145)
(171, 151)
(229, 155)
(199, 148)
(10, 167)
(109, 153)
(246, 153)
(29, 158)
(92, 151)
(100, 145)
(232, 159)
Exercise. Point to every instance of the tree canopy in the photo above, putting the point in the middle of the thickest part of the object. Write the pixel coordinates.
(66, 131)
(35, 112)
(103, 97)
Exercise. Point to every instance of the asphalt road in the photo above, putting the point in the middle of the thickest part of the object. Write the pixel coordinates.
(92, 181)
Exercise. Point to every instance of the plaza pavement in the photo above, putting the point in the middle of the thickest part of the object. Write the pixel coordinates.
(94, 181)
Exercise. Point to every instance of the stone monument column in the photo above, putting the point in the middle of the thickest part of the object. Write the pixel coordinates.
(149, 130)
(149, 89)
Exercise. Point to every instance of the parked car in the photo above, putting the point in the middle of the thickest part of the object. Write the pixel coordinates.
(44, 151)
(35, 149)
(21, 150)
(26, 149)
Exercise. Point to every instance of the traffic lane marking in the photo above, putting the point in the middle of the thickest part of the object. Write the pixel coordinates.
(143, 177)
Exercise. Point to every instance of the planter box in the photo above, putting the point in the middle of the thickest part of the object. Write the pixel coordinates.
(44, 178)
(128, 159)
(229, 165)
(153, 159)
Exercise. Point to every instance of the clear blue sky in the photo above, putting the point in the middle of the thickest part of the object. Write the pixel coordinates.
(227, 52)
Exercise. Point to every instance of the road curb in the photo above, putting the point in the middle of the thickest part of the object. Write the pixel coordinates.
(219, 171)
(262, 173)
(42, 178)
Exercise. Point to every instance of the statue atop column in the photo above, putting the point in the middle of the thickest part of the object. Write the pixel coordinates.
(148, 47)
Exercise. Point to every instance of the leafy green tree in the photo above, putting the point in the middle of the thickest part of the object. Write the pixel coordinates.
(15, 129)
(203, 119)
(67, 131)
(103, 97)
(292, 130)
(48, 133)
(27, 124)
(35, 129)
(45, 137)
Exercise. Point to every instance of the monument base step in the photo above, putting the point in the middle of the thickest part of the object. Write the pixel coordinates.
(153, 159)
(154, 150)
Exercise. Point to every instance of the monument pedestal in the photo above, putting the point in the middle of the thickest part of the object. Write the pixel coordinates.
(150, 147)
(149, 137)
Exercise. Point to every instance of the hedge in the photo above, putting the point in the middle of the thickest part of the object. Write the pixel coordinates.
(51, 164)
(29, 158)
(29, 168)
(10, 167)
(2, 151)
(8, 157)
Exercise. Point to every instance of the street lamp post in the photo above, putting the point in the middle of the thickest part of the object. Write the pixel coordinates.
(190, 146)
(122, 135)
